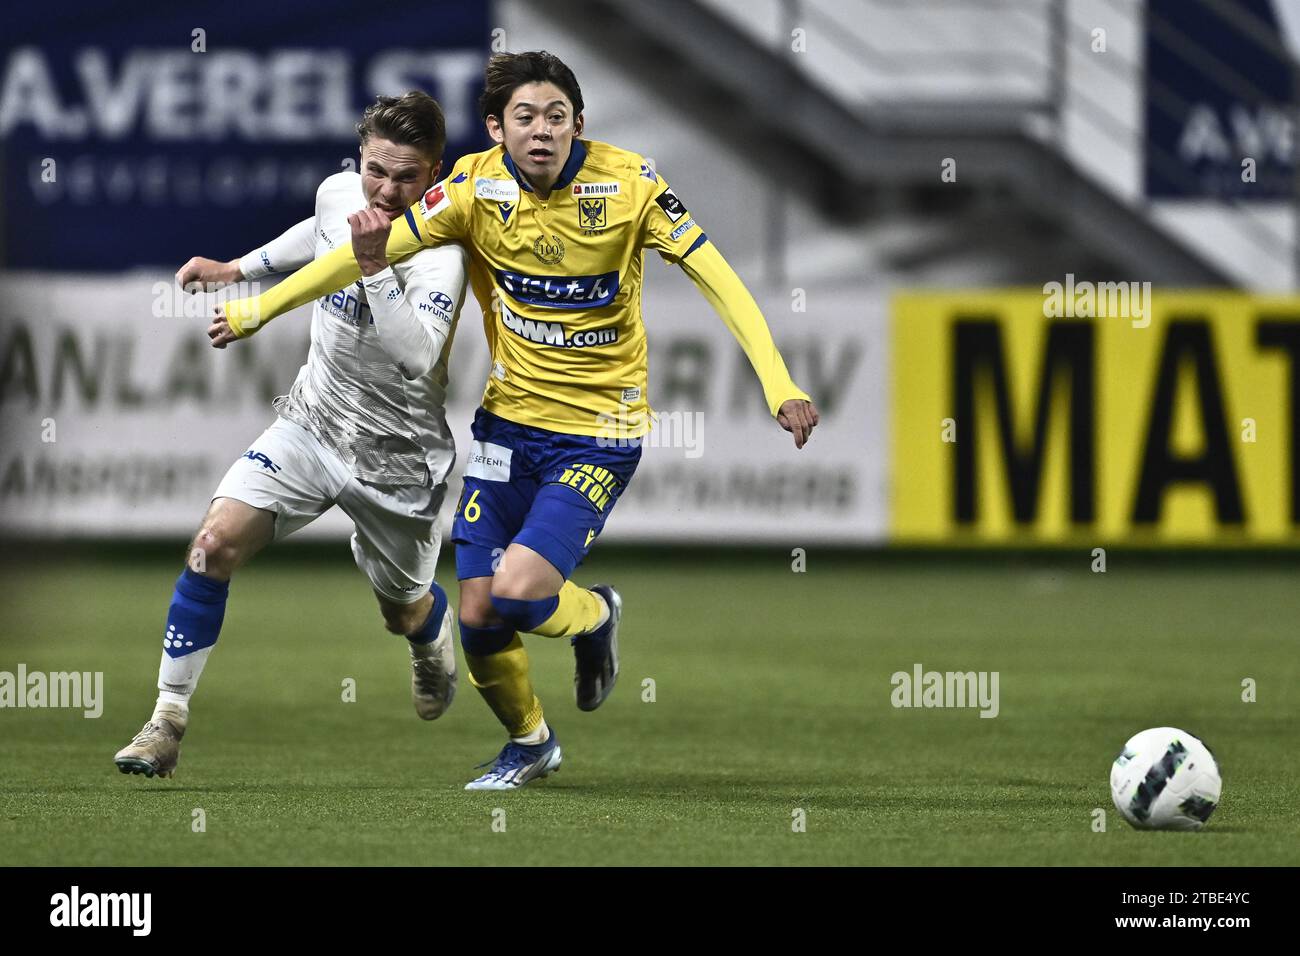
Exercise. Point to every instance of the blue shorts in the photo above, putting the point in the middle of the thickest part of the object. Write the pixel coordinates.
(549, 491)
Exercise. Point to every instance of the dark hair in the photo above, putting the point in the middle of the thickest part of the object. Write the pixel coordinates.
(506, 72)
(412, 119)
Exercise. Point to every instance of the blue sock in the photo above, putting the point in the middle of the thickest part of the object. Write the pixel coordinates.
(194, 618)
(428, 631)
(193, 623)
(525, 615)
(485, 641)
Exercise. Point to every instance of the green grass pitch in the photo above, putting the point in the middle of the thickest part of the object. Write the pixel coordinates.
(772, 694)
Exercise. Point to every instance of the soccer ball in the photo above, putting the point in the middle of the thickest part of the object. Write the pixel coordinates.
(1165, 779)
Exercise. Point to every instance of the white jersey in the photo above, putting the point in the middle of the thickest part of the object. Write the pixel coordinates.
(375, 381)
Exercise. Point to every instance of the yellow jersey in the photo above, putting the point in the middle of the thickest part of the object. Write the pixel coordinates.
(559, 282)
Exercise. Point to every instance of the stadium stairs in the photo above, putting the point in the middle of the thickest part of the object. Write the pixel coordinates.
(1020, 204)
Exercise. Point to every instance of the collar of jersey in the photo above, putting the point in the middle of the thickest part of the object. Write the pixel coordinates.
(577, 156)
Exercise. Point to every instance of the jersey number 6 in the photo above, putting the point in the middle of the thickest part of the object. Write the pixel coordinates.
(472, 507)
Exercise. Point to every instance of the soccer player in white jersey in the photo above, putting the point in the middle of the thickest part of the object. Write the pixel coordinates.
(363, 427)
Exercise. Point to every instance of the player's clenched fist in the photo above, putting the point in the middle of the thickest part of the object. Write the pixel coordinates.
(370, 228)
(220, 331)
(208, 275)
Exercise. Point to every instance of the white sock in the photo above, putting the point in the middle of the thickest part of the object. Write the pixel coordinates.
(178, 676)
(538, 736)
(167, 702)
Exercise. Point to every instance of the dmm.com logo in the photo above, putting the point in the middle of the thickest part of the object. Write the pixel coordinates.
(552, 333)
(559, 292)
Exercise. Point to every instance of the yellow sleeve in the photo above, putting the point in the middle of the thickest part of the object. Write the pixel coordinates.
(732, 301)
(667, 226)
(433, 220)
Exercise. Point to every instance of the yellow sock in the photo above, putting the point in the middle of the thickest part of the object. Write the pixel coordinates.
(579, 610)
(502, 678)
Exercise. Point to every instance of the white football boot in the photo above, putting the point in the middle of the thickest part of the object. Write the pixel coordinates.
(433, 671)
(155, 750)
(517, 764)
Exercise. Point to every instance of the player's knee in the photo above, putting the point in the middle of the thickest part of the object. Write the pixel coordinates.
(479, 613)
(521, 586)
(521, 600)
(213, 554)
(474, 603)
(231, 533)
(524, 614)
(482, 632)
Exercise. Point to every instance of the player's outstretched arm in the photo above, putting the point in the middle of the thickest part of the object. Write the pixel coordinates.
(718, 282)
(336, 270)
(290, 250)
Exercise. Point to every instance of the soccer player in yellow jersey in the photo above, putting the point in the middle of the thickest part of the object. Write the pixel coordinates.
(556, 227)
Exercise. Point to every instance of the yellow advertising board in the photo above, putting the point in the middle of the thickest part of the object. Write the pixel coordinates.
(1084, 414)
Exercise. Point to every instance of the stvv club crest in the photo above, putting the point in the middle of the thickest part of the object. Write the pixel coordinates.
(591, 213)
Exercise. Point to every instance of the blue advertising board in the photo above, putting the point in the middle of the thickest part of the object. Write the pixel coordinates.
(141, 135)
(1220, 101)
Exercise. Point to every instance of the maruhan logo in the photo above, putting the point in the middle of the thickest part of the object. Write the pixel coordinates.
(922, 688)
(75, 689)
(103, 909)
